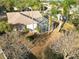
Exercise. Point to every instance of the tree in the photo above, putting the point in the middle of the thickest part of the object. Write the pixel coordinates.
(8, 4)
(35, 4)
(20, 4)
(66, 5)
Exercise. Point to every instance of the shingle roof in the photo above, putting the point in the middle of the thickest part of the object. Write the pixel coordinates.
(26, 17)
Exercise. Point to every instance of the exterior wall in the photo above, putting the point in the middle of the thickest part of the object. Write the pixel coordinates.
(18, 27)
(43, 27)
(32, 26)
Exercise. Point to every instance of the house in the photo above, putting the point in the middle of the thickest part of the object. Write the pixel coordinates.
(31, 19)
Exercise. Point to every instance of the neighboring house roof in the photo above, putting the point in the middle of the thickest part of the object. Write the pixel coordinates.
(26, 17)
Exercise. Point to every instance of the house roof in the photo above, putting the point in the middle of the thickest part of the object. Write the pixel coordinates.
(26, 17)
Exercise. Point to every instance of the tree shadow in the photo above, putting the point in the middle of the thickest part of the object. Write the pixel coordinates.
(32, 56)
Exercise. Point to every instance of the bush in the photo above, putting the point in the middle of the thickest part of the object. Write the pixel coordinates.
(26, 29)
(66, 47)
(51, 54)
(4, 27)
(38, 29)
(14, 48)
(75, 20)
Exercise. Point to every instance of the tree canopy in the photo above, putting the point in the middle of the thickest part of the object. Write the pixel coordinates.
(20, 4)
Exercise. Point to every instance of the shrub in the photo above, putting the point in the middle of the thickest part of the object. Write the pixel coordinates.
(26, 29)
(14, 48)
(4, 26)
(68, 45)
(51, 54)
(38, 29)
(75, 20)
